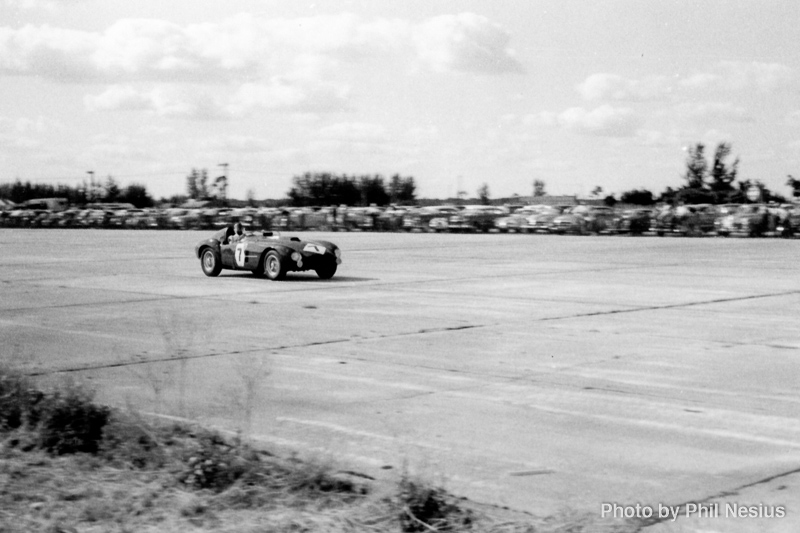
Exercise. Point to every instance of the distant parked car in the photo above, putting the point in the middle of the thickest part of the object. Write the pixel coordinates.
(540, 222)
(475, 218)
(420, 219)
(788, 223)
(753, 220)
(140, 219)
(517, 221)
(633, 221)
(584, 219)
(687, 220)
(391, 219)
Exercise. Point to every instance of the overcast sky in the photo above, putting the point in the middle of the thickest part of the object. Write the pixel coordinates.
(454, 93)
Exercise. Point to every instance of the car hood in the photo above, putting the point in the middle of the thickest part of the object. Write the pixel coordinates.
(294, 243)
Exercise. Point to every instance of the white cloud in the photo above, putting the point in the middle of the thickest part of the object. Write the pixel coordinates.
(162, 101)
(793, 117)
(239, 144)
(714, 112)
(43, 5)
(604, 121)
(245, 48)
(177, 102)
(114, 148)
(119, 97)
(464, 42)
(744, 76)
(543, 118)
(291, 95)
(354, 131)
(603, 86)
(656, 138)
(55, 53)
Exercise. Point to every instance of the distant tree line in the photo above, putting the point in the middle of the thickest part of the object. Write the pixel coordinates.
(709, 182)
(198, 186)
(325, 188)
(705, 181)
(85, 193)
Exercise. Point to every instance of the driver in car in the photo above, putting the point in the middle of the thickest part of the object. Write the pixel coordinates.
(238, 233)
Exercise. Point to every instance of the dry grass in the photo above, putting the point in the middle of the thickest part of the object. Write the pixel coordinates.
(88, 493)
(69, 465)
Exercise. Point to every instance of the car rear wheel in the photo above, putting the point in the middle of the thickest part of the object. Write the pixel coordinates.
(210, 263)
(327, 271)
(272, 266)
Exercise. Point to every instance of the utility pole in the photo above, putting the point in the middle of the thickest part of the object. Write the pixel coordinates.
(90, 187)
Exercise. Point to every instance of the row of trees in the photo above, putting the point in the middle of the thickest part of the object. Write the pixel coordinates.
(198, 186)
(705, 181)
(85, 193)
(330, 189)
(709, 182)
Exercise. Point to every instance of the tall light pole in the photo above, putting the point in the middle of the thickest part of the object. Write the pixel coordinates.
(90, 187)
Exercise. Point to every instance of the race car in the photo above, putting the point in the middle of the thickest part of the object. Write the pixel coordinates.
(266, 254)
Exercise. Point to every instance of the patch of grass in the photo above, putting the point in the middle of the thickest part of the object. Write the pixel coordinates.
(19, 400)
(213, 463)
(427, 508)
(71, 422)
(68, 464)
(128, 441)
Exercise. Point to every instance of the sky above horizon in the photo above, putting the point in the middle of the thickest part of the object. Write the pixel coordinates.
(456, 94)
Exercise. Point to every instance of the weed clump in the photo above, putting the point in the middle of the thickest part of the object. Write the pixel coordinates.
(214, 464)
(71, 422)
(427, 508)
(64, 421)
(19, 401)
(128, 441)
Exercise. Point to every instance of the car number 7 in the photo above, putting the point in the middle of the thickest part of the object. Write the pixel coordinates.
(240, 248)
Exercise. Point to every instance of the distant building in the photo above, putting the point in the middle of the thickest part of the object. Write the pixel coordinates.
(51, 204)
(553, 200)
(592, 201)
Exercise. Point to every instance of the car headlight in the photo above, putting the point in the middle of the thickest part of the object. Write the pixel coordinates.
(296, 257)
(338, 253)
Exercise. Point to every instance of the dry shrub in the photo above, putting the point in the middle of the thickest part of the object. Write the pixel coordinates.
(20, 402)
(427, 508)
(71, 422)
(129, 441)
(213, 463)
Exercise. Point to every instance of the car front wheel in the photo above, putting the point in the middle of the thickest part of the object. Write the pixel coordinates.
(210, 263)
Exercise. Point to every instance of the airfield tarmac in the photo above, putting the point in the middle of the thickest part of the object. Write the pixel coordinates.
(549, 374)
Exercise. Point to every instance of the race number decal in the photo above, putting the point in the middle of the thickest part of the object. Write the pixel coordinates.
(240, 248)
(314, 248)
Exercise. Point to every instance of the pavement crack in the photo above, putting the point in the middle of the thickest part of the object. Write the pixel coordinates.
(669, 306)
(647, 522)
(167, 359)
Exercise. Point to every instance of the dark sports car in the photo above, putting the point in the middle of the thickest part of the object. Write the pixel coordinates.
(266, 254)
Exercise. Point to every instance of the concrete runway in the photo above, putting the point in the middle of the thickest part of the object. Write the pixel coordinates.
(548, 374)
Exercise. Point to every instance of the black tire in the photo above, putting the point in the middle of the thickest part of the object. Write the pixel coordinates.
(272, 266)
(210, 263)
(327, 271)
